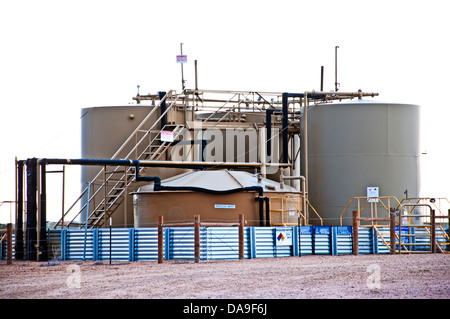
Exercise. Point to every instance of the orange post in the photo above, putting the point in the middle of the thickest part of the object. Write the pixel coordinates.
(197, 238)
(392, 232)
(241, 236)
(433, 231)
(9, 243)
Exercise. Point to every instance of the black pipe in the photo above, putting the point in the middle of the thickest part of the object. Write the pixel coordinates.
(321, 78)
(269, 113)
(285, 110)
(267, 200)
(163, 108)
(285, 127)
(269, 132)
(120, 162)
(43, 244)
(261, 210)
(31, 233)
(19, 218)
(158, 187)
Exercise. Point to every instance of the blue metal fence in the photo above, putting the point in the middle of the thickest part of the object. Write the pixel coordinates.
(221, 243)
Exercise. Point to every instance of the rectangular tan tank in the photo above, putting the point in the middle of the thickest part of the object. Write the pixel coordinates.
(181, 206)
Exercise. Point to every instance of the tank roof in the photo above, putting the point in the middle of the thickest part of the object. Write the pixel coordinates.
(363, 101)
(220, 180)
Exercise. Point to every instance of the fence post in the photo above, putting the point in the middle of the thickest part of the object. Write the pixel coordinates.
(392, 232)
(241, 236)
(355, 233)
(295, 246)
(63, 243)
(131, 244)
(167, 243)
(160, 240)
(95, 244)
(253, 242)
(433, 232)
(197, 238)
(373, 234)
(9, 244)
(333, 239)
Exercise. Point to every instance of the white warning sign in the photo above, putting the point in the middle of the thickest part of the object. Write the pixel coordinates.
(373, 192)
(283, 236)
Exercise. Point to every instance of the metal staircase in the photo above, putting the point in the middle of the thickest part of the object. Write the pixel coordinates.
(115, 182)
(110, 185)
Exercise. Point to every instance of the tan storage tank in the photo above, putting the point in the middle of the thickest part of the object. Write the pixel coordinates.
(103, 131)
(181, 205)
(360, 144)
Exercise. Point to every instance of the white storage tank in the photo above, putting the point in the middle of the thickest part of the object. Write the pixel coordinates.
(359, 144)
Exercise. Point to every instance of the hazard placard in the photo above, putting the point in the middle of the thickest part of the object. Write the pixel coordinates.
(283, 236)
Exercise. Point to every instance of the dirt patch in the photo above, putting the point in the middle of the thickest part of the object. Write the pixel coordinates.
(424, 276)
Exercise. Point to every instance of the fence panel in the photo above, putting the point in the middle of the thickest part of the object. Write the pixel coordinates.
(381, 240)
(342, 241)
(79, 244)
(113, 244)
(265, 243)
(306, 240)
(365, 240)
(322, 240)
(144, 244)
(223, 243)
(181, 243)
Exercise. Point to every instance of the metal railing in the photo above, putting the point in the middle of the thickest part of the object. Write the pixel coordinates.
(287, 205)
(383, 202)
(407, 237)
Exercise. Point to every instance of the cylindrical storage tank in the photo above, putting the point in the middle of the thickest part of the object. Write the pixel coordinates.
(103, 131)
(359, 144)
(181, 205)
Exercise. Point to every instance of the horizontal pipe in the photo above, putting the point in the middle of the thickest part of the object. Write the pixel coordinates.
(158, 187)
(311, 94)
(150, 163)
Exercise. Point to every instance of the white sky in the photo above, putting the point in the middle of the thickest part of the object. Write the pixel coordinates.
(57, 57)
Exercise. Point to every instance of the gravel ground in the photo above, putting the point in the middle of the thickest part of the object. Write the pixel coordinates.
(417, 276)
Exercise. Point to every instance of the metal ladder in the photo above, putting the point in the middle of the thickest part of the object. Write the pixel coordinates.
(113, 183)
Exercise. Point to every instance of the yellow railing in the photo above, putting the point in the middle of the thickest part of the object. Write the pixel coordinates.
(431, 221)
(383, 202)
(285, 209)
(434, 203)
